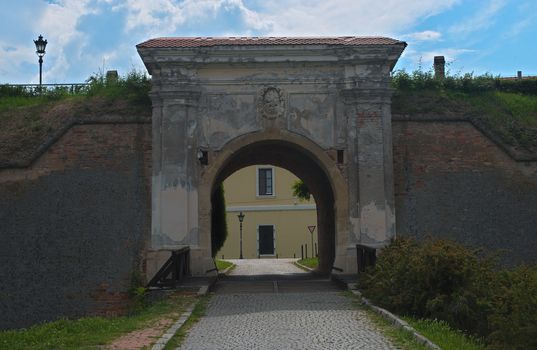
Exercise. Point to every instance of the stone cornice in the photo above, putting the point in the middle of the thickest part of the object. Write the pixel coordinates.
(366, 95)
(155, 58)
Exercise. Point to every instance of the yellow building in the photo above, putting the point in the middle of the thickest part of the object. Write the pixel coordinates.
(275, 222)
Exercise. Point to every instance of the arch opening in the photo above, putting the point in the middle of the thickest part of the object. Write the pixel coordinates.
(304, 165)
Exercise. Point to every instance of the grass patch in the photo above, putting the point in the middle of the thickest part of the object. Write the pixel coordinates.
(508, 108)
(312, 263)
(197, 314)
(133, 87)
(222, 264)
(90, 332)
(29, 117)
(399, 337)
(440, 333)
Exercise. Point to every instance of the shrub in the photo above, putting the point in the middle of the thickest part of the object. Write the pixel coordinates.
(435, 279)
(514, 317)
(134, 86)
(467, 83)
(444, 280)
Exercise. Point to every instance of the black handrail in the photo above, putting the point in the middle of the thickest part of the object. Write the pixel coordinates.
(36, 89)
(366, 256)
(174, 270)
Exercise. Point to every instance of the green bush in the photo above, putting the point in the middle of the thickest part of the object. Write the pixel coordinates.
(514, 320)
(467, 83)
(134, 87)
(435, 279)
(218, 220)
(444, 280)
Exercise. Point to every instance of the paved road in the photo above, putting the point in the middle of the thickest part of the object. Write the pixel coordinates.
(292, 310)
(256, 267)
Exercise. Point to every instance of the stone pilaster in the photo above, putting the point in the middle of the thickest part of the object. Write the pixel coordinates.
(175, 170)
(370, 165)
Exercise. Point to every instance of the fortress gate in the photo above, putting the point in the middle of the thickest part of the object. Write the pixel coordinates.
(319, 107)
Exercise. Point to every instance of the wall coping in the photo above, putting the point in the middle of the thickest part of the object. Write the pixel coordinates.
(57, 134)
(515, 154)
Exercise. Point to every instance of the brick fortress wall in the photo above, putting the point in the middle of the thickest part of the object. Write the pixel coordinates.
(75, 224)
(452, 181)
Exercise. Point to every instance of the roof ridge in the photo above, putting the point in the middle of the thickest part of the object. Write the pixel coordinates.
(184, 42)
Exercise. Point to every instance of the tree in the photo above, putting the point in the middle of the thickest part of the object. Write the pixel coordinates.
(301, 191)
(218, 220)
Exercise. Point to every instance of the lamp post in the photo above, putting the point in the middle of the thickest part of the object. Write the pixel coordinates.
(241, 218)
(40, 46)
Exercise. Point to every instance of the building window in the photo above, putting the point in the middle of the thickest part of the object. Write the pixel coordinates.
(265, 182)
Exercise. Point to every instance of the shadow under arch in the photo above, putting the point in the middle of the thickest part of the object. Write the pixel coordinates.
(302, 157)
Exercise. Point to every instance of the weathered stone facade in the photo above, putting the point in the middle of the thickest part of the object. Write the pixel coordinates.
(318, 107)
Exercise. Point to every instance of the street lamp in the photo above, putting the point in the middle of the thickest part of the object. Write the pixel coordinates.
(241, 218)
(40, 45)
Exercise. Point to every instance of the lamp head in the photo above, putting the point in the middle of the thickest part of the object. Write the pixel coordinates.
(40, 46)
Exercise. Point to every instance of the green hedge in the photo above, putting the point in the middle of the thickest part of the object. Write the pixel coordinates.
(443, 280)
(468, 83)
(218, 220)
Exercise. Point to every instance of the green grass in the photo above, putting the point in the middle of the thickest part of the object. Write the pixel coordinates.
(133, 87)
(401, 338)
(90, 332)
(312, 263)
(197, 313)
(508, 108)
(440, 333)
(223, 264)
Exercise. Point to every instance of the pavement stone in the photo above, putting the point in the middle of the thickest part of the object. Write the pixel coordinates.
(262, 315)
(255, 267)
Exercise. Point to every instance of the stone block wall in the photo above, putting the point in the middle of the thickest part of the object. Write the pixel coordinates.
(451, 181)
(75, 224)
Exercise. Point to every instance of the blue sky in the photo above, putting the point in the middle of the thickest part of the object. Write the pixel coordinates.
(86, 37)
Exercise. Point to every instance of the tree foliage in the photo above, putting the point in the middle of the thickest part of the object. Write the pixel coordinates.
(301, 191)
(218, 220)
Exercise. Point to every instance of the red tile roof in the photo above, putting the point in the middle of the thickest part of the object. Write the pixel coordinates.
(249, 41)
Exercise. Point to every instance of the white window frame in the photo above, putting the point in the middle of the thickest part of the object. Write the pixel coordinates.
(257, 181)
(273, 239)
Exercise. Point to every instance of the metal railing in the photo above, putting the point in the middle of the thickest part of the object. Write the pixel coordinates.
(366, 256)
(35, 89)
(174, 270)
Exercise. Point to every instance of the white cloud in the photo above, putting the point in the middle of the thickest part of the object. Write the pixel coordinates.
(427, 35)
(59, 22)
(11, 58)
(349, 17)
(163, 17)
(425, 58)
(482, 19)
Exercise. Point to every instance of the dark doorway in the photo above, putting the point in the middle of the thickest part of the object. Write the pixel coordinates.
(266, 240)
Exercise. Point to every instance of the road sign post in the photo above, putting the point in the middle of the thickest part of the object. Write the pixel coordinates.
(311, 228)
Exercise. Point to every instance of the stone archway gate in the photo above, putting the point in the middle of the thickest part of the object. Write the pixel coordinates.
(332, 95)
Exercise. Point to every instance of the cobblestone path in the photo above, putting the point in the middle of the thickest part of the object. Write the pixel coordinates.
(273, 311)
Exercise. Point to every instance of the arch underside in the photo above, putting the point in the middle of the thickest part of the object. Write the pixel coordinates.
(304, 165)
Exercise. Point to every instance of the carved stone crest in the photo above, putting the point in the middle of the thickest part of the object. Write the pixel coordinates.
(271, 103)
